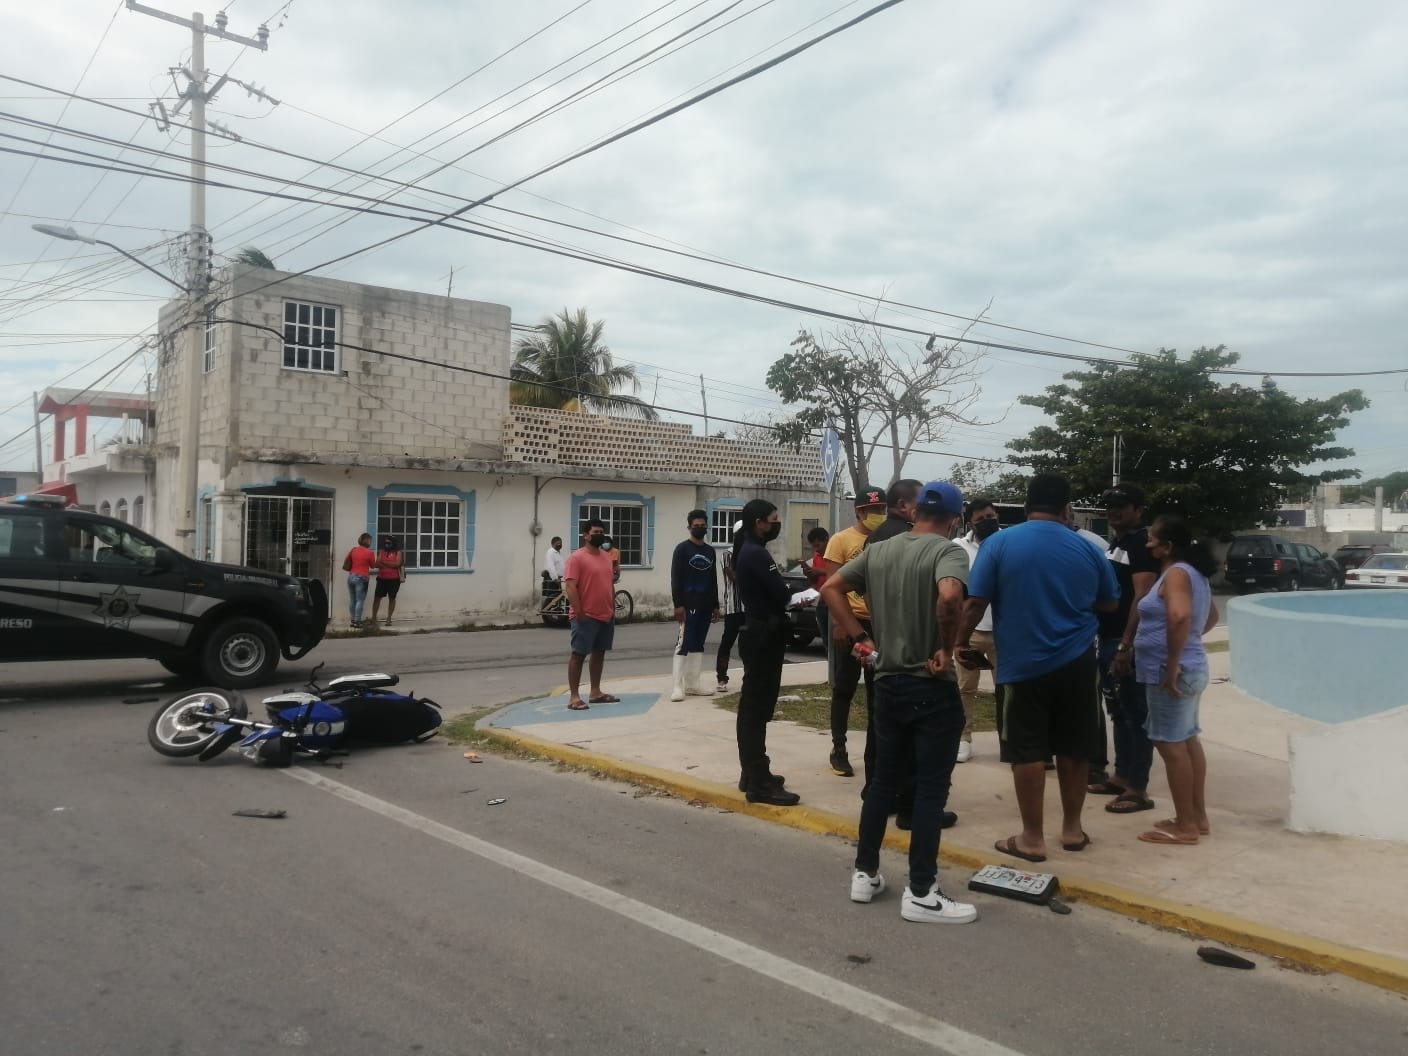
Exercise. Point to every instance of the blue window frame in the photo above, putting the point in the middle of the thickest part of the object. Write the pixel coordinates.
(630, 521)
(434, 524)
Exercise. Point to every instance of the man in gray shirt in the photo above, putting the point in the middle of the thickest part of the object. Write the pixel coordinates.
(914, 584)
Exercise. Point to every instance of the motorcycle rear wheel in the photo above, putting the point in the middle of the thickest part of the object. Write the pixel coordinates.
(185, 724)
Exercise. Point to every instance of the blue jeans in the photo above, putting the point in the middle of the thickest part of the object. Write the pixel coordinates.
(356, 596)
(926, 713)
(1129, 711)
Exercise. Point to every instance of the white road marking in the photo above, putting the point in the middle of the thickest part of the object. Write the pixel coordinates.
(887, 1013)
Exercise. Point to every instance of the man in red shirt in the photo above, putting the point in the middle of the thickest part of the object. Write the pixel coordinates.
(591, 596)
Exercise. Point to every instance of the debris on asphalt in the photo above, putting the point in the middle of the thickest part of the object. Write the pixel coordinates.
(789, 698)
(473, 757)
(255, 812)
(1057, 906)
(1224, 958)
(858, 958)
(467, 791)
(497, 800)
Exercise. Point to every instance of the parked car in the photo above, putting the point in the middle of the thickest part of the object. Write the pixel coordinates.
(79, 586)
(805, 629)
(1272, 562)
(1380, 570)
(1352, 555)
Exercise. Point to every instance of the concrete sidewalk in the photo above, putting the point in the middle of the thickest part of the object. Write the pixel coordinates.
(1328, 902)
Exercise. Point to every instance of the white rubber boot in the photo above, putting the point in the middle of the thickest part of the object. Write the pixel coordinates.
(677, 692)
(692, 684)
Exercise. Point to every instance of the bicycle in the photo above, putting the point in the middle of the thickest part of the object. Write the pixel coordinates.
(553, 608)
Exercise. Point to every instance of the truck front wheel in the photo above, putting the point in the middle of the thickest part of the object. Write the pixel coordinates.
(239, 653)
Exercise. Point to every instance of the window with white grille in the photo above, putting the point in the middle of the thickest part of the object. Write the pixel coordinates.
(310, 336)
(721, 524)
(625, 524)
(430, 531)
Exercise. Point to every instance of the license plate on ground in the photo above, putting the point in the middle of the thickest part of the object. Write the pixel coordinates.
(1015, 883)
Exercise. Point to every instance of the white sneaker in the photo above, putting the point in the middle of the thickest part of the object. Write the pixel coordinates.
(965, 751)
(864, 887)
(934, 908)
(677, 693)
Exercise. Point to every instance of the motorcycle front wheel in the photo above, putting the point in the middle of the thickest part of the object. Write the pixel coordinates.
(185, 724)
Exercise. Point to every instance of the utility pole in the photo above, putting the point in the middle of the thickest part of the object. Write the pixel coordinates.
(704, 399)
(1115, 460)
(198, 250)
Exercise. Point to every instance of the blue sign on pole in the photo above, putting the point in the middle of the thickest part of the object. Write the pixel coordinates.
(830, 456)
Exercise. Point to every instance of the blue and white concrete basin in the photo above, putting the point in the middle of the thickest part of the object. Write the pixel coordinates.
(1341, 659)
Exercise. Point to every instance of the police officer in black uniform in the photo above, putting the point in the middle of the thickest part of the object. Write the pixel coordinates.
(762, 644)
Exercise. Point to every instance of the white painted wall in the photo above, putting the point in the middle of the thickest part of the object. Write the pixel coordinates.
(1350, 778)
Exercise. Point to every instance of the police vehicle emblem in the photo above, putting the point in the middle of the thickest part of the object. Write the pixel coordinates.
(117, 608)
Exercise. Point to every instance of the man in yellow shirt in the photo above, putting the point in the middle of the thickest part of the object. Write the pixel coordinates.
(846, 671)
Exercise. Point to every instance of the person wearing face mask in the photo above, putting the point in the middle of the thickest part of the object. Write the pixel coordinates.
(762, 643)
(694, 589)
(982, 523)
(899, 518)
(846, 672)
(591, 598)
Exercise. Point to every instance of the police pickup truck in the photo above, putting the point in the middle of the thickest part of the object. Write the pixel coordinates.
(78, 586)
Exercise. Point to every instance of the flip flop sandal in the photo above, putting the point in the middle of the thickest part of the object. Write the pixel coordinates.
(1171, 824)
(1133, 803)
(1170, 838)
(1105, 788)
(605, 698)
(577, 705)
(1009, 846)
(1082, 845)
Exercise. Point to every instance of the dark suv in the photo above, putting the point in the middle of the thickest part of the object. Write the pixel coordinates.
(1271, 562)
(1352, 555)
(78, 586)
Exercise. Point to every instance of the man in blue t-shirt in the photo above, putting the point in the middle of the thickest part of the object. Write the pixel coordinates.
(1045, 585)
(694, 589)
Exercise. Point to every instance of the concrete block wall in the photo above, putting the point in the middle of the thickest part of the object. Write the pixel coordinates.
(371, 404)
(568, 438)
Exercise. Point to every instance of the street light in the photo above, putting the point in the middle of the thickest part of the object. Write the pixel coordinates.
(189, 457)
(68, 234)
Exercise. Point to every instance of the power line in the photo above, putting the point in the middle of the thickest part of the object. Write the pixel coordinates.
(601, 144)
(482, 230)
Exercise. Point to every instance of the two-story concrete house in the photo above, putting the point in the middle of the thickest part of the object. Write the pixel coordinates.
(330, 408)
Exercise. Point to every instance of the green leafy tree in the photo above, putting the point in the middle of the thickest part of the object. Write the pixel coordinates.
(979, 477)
(566, 365)
(1219, 453)
(879, 397)
(254, 257)
(1395, 487)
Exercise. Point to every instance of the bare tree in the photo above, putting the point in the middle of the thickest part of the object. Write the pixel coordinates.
(878, 394)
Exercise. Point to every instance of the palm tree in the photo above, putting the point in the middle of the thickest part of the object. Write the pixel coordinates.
(566, 365)
(255, 257)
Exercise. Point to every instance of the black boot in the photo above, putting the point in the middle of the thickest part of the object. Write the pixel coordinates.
(776, 780)
(762, 786)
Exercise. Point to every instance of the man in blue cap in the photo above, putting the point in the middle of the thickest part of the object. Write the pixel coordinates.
(914, 584)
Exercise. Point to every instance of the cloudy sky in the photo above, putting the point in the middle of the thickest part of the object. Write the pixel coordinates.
(1133, 175)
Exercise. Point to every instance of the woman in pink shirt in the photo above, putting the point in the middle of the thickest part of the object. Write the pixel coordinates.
(358, 565)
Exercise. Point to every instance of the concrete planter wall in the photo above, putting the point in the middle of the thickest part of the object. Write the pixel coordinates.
(1340, 658)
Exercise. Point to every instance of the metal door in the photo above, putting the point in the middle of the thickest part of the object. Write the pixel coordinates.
(289, 534)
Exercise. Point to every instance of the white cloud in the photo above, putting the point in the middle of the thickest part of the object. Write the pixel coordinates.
(1139, 174)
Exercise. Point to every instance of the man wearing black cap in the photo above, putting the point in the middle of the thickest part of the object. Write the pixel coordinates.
(914, 583)
(1136, 570)
(1045, 585)
(871, 509)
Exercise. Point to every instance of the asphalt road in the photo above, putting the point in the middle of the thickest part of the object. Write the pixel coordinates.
(395, 911)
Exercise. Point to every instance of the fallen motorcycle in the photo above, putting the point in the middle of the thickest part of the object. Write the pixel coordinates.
(313, 722)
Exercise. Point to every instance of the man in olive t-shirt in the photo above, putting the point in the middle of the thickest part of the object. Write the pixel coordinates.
(914, 584)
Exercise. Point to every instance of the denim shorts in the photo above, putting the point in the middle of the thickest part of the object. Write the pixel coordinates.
(592, 636)
(1175, 718)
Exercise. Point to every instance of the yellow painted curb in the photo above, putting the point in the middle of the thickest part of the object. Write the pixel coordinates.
(1390, 973)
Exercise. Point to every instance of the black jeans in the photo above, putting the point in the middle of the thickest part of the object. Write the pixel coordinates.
(846, 674)
(762, 644)
(733, 623)
(925, 715)
(1128, 710)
